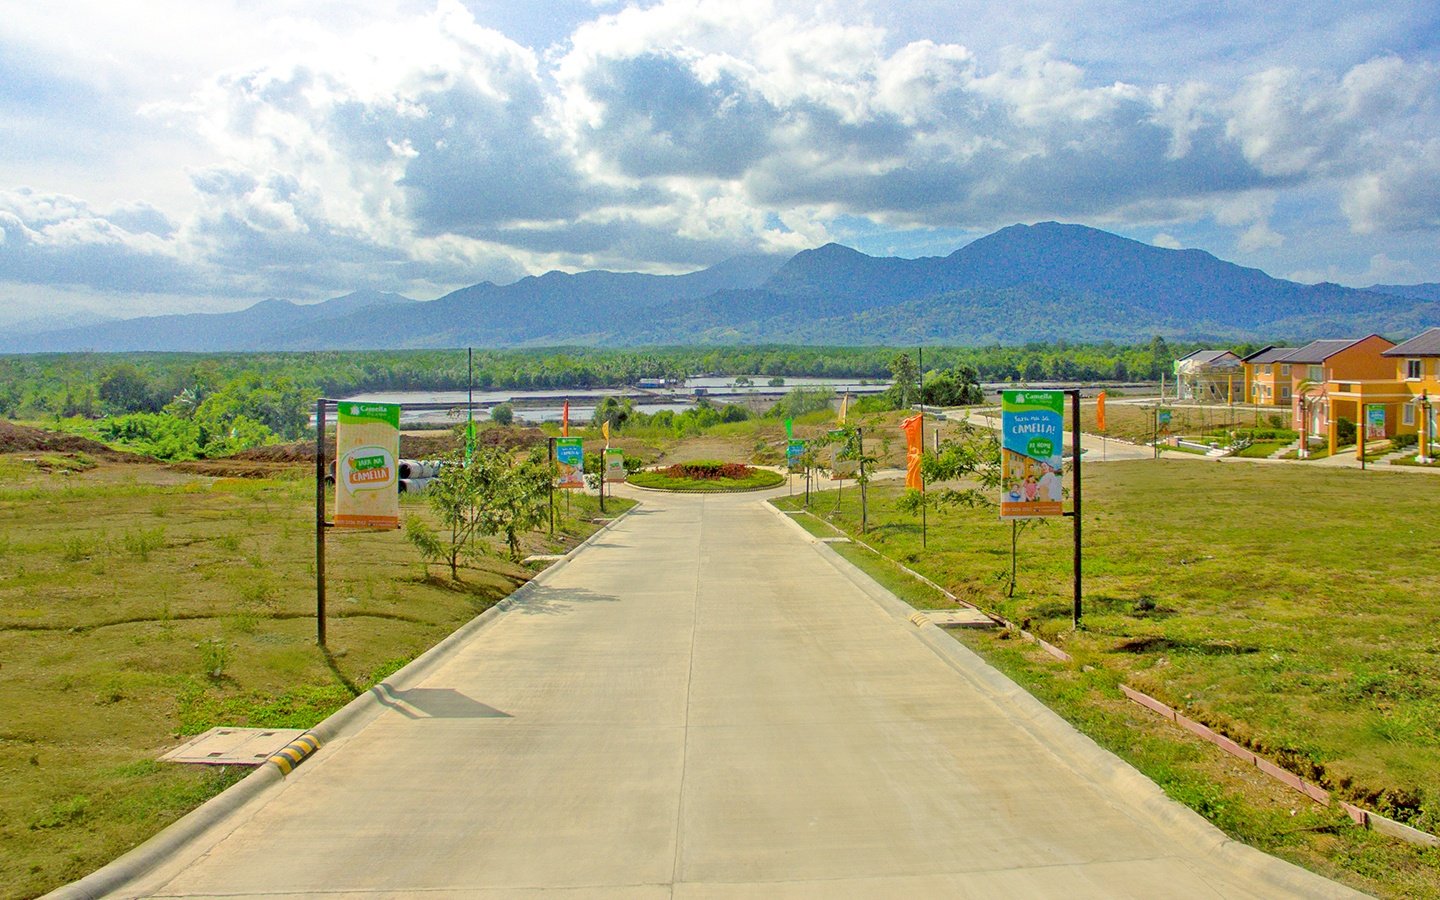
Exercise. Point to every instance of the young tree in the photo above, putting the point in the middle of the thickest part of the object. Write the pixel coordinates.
(512, 495)
(906, 377)
(452, 495)
(502, 414)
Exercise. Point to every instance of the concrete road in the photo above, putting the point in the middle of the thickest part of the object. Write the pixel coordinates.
(707, 704)
(1097, 447)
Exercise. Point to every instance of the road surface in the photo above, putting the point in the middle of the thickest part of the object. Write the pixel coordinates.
(706, 703)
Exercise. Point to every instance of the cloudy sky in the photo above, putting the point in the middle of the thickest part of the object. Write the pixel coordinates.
(168, 154)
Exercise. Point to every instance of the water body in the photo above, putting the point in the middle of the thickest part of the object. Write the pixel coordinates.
(547, 405)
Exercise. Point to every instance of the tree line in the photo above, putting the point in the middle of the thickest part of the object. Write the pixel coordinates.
(180, 405)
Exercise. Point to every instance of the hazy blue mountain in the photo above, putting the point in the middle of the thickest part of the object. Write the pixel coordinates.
(262, 326)
(1430, 291)
(1022, 283)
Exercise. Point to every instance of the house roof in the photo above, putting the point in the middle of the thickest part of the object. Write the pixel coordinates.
(1268, 355)
(1205, 356)
(1319, 351)
(1426, 343)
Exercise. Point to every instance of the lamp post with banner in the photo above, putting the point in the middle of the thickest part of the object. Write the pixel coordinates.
(1423, 404)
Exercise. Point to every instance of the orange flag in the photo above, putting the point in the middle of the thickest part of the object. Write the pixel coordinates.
(914, 448)
(1100, 411)
(565, 420)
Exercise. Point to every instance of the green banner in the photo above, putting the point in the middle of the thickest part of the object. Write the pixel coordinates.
(367, 442)
(614, 465)
(1032, 437)
(794, 452)
(570, 456)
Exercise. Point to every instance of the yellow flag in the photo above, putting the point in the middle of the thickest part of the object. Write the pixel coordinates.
(844, 402)
(605, 430)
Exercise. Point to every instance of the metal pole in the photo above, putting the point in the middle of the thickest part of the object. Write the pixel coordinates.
(320, 522)
(1075, 440)
(469, 404)
(860, 444)
(924, 524)
(550, 456)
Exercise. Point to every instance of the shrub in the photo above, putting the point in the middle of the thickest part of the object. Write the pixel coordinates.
(703, 470)
(1404, 441)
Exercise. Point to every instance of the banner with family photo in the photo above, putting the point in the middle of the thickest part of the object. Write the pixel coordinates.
(1032, 428)
(570, 463)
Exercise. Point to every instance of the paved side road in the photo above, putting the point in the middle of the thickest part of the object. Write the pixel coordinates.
(707, 704)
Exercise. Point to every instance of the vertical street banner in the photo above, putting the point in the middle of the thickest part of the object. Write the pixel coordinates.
(914, 428)
(570, 457)
(614, 465)
(1100, 412)
(1162, 419)
(367, 487)
(1032, 429)
(565, 420)
(1374, 421)
(794, 452)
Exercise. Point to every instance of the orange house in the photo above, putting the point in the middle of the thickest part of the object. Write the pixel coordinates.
(1417, 371)
(1330, 379)
(1267, 380)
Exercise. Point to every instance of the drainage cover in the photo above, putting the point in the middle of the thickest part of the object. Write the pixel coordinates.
(233, 746)
(959, 618)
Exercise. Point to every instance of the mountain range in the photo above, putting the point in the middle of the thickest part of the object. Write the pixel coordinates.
(1022, 283)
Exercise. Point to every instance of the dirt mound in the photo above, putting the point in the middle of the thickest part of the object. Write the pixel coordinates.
(295, 452)
(24, 439)
(424, 445)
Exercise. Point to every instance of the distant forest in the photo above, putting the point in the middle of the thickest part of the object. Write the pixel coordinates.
(93, 385)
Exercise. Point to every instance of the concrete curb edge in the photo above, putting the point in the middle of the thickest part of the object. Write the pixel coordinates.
(350, 718)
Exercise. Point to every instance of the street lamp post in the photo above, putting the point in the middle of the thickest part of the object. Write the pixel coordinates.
(1423, 401)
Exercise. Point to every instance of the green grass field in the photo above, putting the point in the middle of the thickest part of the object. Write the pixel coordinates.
(139, 604)
(1292, 610)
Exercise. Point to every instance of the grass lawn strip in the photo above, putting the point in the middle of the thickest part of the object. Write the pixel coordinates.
(139, 606)
(1204, 610)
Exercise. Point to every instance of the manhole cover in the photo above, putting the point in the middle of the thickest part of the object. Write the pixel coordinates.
(959, 618)
(233, 746)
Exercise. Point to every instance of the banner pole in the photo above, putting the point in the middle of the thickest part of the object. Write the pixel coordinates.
(1075, 446)
(920, 370)
(320, 522)
(550, 453)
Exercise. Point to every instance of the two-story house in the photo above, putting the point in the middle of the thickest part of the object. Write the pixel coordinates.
(1417, 371)
(1267, 379)
(1334, 378)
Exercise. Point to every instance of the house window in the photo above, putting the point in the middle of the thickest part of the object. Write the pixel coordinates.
(1265, 369)
(1285, 369)
(1285, 393)
(1407, 414)
(1414, 368)
(1315, 373)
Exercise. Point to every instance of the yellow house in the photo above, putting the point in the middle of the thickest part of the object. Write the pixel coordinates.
(1334, 379)
(1267, 380)
(1417, 370)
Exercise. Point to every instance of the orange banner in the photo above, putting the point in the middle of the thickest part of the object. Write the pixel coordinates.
(1100, 411)
(914, 448)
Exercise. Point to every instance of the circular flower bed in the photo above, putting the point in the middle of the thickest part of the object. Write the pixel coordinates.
(706, 475)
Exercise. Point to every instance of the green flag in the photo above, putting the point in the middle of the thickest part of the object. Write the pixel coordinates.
(789, 428)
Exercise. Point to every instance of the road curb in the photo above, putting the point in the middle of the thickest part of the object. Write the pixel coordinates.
(1112, 776)
(350, 718)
